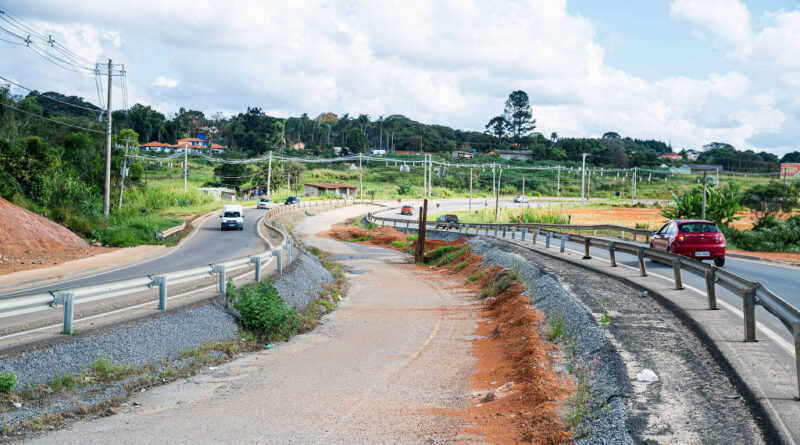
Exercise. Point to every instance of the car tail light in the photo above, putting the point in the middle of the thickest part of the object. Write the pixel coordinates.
(680, 238)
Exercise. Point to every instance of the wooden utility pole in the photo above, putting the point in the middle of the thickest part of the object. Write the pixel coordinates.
(470, 192)
(497, 196)
(107, 185)
(269, 176)
(185, 165)
(421, 229)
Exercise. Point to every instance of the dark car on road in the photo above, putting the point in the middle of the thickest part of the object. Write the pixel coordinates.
(292, 200)
(694, 238)
(446, 220)
(407, 210)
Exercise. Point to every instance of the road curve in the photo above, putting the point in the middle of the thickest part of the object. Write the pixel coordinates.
(207, 245)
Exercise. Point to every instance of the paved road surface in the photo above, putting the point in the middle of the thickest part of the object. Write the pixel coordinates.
(373, 372)
(207, 245)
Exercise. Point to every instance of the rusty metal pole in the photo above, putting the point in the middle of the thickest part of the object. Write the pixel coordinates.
(587, 243)
(749, 302)
(711, 288)
(422, 230)
(417, 255)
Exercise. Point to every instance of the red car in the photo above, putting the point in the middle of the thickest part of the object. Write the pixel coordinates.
(407, 210)
(693, 238)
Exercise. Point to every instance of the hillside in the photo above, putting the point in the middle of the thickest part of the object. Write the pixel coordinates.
(28, 240)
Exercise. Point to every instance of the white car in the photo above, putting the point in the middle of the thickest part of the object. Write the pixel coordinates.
(265, 203)
(522, 199)
(232, 217)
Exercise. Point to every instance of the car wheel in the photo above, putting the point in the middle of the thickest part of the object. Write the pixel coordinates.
(719, 262)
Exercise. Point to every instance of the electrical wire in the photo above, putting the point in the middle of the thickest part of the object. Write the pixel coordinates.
(51, 120)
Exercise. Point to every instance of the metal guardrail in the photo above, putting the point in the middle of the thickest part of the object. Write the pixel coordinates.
(68, 297)
(168, 233)
(752, 293)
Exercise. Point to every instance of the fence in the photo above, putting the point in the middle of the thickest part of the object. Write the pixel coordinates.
(69, 297)
(752, 293)
(172, 231)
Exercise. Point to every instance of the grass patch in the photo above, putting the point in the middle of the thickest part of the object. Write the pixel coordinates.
(263, 311)
(105, 371)
(605, 317)
(363, 238)
(8, 380)
(476, 276)
(579, 401)
(60, 382)
(494, 287)
(451, 256)
(460, 265)
(399, 244)
(555, 327)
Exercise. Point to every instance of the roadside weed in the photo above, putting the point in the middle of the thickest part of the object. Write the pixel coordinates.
(605, 317)
(8, 380)
(555, 327)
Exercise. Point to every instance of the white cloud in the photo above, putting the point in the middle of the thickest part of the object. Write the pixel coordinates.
(451, 62)
(165, 82)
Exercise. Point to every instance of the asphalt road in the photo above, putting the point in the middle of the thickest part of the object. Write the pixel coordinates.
(207, 244)
(779, 278)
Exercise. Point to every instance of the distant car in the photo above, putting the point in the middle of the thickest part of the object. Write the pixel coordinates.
(446, 220)
(232, 217)
(522, 199)
(264, 203)
(292, 200)
(407, 210)
(694, 238)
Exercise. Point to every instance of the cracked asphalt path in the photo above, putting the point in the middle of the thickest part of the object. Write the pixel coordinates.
(377, 370)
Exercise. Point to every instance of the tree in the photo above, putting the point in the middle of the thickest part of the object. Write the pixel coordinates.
(611, 135)
(497, 127)
(791, 157)
(766, 200)
(518, 115)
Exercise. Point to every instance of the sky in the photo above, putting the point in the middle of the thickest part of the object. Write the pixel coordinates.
(687, 72)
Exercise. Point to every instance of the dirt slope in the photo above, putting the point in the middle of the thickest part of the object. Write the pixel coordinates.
(29, 240)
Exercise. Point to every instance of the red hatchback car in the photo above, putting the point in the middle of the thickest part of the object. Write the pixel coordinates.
(407, 210)
(693, 238)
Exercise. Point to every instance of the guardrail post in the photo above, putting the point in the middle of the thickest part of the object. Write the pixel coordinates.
(69, 310)
(564, 238)
(623, 234)
(535, 235)
(289, 251)
(220, 269)
(257, 267)
(586, 244)
(495, 231)
(634, 236)
(514, 232)
(711, 288)
(796, 330)
(676, 271)
(486, 227)
(612, 254)
(524, 231)
(161, 281)
(749, 314)
(642, 267)
(407, 223)
(547, 239)
(277, 254)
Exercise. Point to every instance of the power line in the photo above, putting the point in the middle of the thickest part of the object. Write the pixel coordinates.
(36, 92)
(51, 120)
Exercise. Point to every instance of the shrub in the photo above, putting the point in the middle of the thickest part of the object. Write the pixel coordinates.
(399, 244)
(438, 252)
(533, 216)
(771, 235)
(262, 310)
(104, 370)
(404, 188)
(8, 380)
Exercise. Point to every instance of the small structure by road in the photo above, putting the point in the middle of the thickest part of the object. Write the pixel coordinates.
(219, 193)
(319, 189)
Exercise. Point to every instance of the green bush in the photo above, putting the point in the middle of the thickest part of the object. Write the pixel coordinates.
(8, 380)
(772, 235)
(438, 252)
(262, 310)
(533, 216)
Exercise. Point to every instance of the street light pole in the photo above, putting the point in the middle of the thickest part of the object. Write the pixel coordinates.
(583, 177)
(269, 176)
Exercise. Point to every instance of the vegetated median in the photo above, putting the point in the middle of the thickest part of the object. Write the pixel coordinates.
(40, 390)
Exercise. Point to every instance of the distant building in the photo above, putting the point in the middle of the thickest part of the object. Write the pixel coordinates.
(219, 193)
(522, 155)
(298, 146)
(352, 167)
(318, 189)
(463, 155)
(672, 156)
(156, 146)
(378, 152)
(405, 168)
(692, 154)
(700, 168)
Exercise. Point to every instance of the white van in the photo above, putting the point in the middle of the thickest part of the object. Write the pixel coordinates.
(232, 217)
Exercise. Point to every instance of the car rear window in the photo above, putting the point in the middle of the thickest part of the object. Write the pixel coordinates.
(406, 207)
(231, 215)
(698, 228)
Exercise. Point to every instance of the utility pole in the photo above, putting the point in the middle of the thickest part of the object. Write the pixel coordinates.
(523, 185)
(107, 185)
(633, 189)
(703, 211)
(269, 176)
(122, 175)
(360, 178)
(470, 191)
(583, 178)
(494, 187)
(497, 196)
(425, 177)
(288, 183)
(558, 180)
(430, 176)
(185, 165)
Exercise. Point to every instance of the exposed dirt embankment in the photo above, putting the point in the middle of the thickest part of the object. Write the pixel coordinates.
(28, 241)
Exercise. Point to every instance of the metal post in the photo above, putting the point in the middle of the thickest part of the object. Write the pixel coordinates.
(504, 231)
(642, 267)
(676, 271)
(289, 251)
(796, 330)
(524, 231)
(612, 254)
(161, 281)
(583, 176)
(277, 254)
(220, 269)
(564, 238)
(547, 240)
(69, 311)
(495, 231)
(711, 288)
(269, 176)
(535, 235)
(587, 243)
(749, 314)
(256, 267)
